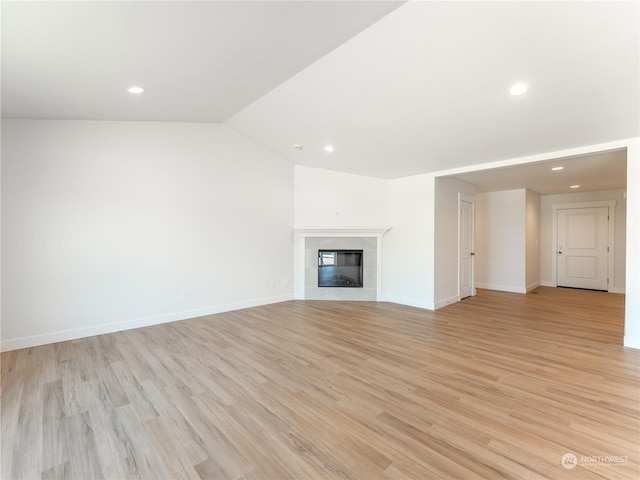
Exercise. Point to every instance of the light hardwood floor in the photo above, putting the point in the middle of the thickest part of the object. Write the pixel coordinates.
(497, 386)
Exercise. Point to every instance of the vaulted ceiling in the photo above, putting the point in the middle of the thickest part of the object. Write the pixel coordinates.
(199, 61)
(396, 88)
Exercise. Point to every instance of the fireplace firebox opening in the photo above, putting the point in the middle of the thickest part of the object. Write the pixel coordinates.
(340, 268)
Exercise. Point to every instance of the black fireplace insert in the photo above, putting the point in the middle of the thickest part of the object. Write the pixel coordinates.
(340, 268)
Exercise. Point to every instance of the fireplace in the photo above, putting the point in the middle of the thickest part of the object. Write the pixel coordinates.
(348, 268)
(309, 242)
(340, 268)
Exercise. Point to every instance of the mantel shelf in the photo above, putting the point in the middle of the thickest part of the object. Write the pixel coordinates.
(341, 231)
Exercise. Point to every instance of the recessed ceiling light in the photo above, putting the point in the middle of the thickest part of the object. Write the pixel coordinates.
(557, 168)
(574, 186)
(296, 146)
(328, 148)
(518, 89)
(135, 90)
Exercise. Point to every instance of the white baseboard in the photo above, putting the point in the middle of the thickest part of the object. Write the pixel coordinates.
(410, 302)
(632, 342)
(65, 335)
(501, 288)
(447, 301)
(621, 290)
(533, 286)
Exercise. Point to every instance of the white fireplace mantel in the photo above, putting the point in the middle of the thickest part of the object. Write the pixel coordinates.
(341, 231)
(300, 233)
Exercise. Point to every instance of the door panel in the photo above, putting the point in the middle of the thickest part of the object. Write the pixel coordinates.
(465, 255)
(583, 237)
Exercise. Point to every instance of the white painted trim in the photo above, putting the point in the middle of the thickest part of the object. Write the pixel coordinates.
(379, 268)
(618, 290)
(65, 335)
(447, 301)
(341, 232)
(602, 203)
(533, 286)
(410, 302)
(611, 205)
(502, 288)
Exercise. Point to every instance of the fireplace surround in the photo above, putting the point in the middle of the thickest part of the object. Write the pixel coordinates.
(309, 241)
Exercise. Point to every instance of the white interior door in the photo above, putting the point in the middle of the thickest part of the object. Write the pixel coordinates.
(465, 246)
(582, 254)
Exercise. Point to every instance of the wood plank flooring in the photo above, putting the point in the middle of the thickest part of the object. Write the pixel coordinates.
(497, 386)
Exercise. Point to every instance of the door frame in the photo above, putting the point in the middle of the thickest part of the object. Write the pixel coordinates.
(611, 204)
(472, 200)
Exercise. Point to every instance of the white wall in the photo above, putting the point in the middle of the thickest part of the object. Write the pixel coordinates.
(532, 239)
(632, 283)
(408, 257)
(446, 238)
(324, 198)
(113, 225)
(546, 238)
(501, 240)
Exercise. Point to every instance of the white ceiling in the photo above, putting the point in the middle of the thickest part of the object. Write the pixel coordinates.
(199, 61)
(398, 90)
(594, 172)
